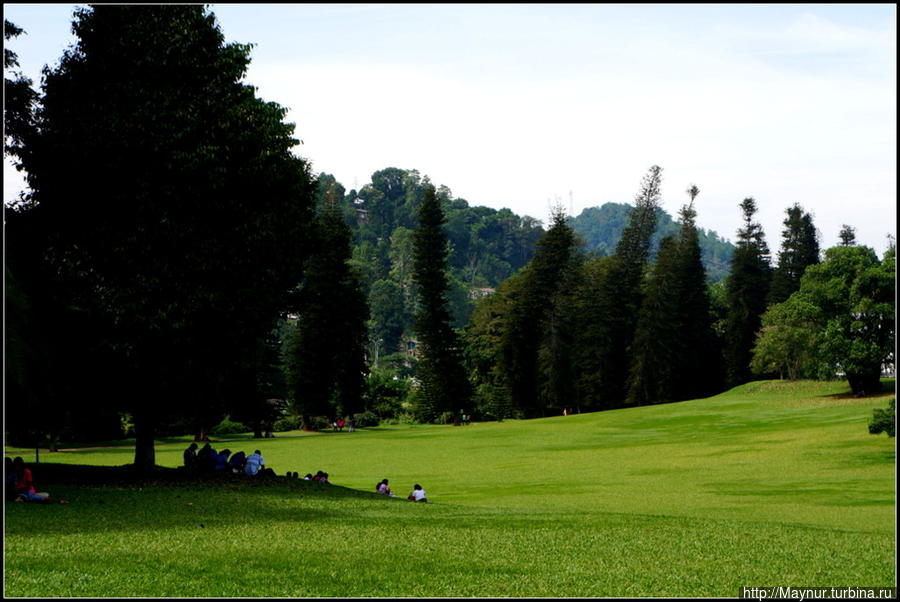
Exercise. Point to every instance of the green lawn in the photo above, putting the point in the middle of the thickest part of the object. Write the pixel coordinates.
(772, 483)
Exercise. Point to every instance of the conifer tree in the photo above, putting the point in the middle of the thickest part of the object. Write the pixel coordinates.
(698, 371)
(325, 351)
(535, 332)
(747, 289)
(847, 236)
(799, 250)
(443, 384)
(674, 347)
(609, 318)
(657, 346)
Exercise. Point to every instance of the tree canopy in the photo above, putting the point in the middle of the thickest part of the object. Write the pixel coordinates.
(168, 213)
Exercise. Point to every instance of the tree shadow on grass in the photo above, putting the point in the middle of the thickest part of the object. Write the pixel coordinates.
(121, 499)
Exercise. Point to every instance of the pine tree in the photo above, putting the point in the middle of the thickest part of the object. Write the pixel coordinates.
(698, 371)
(535, 336)
(443, 384)
(325, 351)
(657, 346)
(674, 348)
(747, 289)
(847, 236)
(799, 250)
(610, 315)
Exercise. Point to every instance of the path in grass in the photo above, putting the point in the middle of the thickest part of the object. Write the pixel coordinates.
(772, 483)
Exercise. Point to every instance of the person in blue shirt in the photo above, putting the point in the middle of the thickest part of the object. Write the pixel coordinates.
(254, 463)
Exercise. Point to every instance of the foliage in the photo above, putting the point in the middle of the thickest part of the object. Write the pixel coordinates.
(364, 419)
(747, 289)
(840, 320)
(486, 246)
(288, 423)
(228, 427)
(675, 351)
(602, 227)
(608, 313)
(799, 250)
(324, 351)
(385, 394)
(884, 420)
(856, 294)
(787, 343)
(530, 353)
(18, 97)
(155, 276)
(444, 386)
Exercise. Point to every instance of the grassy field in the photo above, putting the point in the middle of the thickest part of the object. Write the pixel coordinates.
(773, 483)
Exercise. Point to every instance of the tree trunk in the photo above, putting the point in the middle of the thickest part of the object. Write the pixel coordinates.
(144, 448)
(867, 383)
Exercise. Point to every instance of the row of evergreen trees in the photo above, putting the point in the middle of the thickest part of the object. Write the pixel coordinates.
(598, 333)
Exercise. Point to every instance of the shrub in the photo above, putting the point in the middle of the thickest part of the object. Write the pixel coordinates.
(320, 423)
(288, 423)
(366, 419)
(228, 427)
(884, 421)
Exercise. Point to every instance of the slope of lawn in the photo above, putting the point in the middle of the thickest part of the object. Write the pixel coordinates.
(772, 483)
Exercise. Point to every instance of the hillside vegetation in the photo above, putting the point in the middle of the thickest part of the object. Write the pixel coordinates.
(772, 482)
(601, 227)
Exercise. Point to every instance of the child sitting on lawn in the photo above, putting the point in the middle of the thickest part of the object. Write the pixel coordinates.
(24, 486)
(418, 494)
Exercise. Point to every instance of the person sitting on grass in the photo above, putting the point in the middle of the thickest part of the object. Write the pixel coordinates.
(24, 487)
(254, 463)
(190, 458)
(308, 477)
(418, 494)
(206, 458)
(237, 461)
(222, 460)
(384, 489)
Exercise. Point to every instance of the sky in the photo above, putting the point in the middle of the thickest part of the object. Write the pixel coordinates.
(528, 105)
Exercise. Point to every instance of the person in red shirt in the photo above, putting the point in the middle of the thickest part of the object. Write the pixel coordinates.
(24, 485)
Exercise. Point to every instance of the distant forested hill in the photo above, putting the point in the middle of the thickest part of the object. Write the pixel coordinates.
(487, 246)
(601, 228)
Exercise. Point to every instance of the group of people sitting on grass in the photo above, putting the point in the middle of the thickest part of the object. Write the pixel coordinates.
(20, 484)
(417, 495)
(319, 477)
(209, 461)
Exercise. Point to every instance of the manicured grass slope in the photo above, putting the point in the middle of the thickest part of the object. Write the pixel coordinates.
(769, 484)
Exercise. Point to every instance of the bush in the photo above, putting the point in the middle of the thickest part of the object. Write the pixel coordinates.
(227, 427)
(884, 421)
(288, 423)
(366, 419)
(320, 423)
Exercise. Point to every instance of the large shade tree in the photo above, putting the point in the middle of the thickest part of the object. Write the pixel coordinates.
(167, 206)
